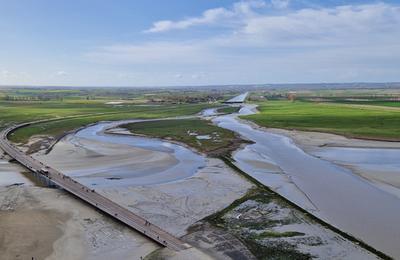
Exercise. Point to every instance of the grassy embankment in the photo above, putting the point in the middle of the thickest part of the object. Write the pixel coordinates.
(88, 112)
(395, 104)
(358, 122)
(221, 141)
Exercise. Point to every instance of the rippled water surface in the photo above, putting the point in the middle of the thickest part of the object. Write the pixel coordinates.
(105, 163)
(330, 191)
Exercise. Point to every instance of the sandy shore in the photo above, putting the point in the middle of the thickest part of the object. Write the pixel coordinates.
(384, 175)
(12, 173)
(93, 162)
(50, 224)
(313, 143)
(174, 204)
(309, 140)
(61, 227)
(177, 205)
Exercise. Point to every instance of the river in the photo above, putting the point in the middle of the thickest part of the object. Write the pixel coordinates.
(330, 191)
(97, 158)
(318, 182)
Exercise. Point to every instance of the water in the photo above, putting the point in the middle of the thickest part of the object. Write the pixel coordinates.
(159, 162)
(332, 192)
(368, 158)
(11, 173)
(238, 99)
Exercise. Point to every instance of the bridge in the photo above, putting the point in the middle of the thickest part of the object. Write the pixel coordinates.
(89, 195)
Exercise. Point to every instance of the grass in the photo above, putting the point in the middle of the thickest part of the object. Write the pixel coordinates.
(24, 111)
(186, 131)
(359, 122)
(373, 103)
(264, 194)
(89, 114)
(278, 250)
(273, 234)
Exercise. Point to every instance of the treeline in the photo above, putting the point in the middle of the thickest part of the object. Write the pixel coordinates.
(33, 98)
(187, 99)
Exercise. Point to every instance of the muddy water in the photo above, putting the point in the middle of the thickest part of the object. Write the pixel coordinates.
(380, 166)
(97, 158)
(330, 191)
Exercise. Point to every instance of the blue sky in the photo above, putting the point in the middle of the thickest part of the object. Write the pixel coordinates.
(167, 43)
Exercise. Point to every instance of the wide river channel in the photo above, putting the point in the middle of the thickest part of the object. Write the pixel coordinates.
(326, 189)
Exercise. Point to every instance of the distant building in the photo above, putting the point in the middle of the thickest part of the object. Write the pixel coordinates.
(291, 96)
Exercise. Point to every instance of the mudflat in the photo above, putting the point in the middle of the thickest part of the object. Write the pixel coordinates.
(50, 224)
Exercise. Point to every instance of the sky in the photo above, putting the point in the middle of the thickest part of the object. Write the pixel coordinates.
(202, 42)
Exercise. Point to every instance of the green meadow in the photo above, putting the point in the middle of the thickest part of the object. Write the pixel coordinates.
(186, 130)
(85, 113)
(360, 122)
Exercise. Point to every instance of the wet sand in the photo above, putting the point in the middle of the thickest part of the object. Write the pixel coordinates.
(96, 158)
(139, 181)
(331, 192)
(97, 164)
(376, 161)
(50, 224)
(12, 173)
(168, 184)
(175, 206)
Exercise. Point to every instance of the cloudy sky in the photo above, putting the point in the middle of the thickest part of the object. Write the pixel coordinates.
(202, 42)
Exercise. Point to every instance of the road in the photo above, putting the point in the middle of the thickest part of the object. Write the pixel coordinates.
(90, 195)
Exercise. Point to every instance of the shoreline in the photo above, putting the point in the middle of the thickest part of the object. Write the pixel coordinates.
(200, 153)
(229, 162)
(307, 139)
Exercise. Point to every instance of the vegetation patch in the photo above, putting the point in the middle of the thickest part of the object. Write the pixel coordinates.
(358, 122)
(252, 219)
(86, 116)
(197, 133)
(274, 234)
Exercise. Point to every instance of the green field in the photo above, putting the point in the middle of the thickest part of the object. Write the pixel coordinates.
(372, 103)
(88, 113)
(186, 130)
(365, 122)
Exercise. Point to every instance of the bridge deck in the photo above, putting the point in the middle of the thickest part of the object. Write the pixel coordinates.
(91, 196)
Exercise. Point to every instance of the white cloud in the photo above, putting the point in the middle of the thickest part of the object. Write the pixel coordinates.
(210, 16)
(5, 73)
(280, 4)
(307, 26)
(328, 25)
(61, 73)
(352, 42)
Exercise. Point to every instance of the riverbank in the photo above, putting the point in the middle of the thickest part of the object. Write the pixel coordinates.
(301, 178)
(197, 133)
(167, 200)
(339, 150)
(371, 122)
(310, 140)
(297, 245)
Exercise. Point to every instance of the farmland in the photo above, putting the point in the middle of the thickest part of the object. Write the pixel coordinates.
(360, 122)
